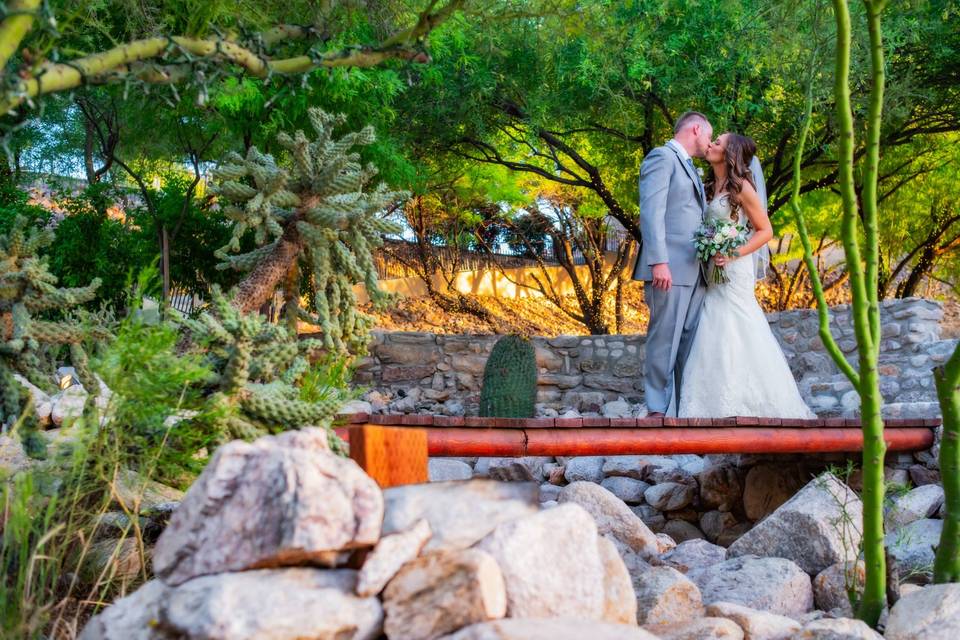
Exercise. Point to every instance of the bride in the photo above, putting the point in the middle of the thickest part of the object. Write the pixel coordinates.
(735, 366)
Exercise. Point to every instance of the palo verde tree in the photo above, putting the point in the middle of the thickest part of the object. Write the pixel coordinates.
(214, 38)
(859, 233)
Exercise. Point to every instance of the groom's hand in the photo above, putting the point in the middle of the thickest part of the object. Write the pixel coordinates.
(661, 276)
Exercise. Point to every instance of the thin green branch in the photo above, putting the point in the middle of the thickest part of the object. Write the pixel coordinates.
(823, 309)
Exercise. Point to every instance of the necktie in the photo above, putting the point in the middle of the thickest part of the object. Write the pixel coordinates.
(697, 175)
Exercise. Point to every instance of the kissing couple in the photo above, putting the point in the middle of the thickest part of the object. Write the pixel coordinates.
(710, 352)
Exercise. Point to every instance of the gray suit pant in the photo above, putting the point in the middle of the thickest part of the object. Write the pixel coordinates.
(674, 315)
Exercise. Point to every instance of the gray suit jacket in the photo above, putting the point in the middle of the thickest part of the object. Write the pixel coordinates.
(671, 209)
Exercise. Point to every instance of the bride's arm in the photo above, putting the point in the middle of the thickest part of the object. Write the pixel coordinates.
(757, 214)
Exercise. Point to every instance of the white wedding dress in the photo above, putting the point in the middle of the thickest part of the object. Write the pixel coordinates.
(735, 366)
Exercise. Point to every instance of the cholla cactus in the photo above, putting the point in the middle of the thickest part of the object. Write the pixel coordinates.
(27, 288)
(256, 367)
(319, 210)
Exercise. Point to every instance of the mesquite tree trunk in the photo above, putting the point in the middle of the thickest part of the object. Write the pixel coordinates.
(946, 565)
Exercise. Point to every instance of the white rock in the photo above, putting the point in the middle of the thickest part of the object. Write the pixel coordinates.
(551, 564)
(932, 613)
(912, 545)
(776, 585)
(669, 496)
(830, 586)
(391, 553)
(444, 470)
(612, 517)
(916, 504)
(442, 592)
(67, 405)
(459, 513)
(665, 596)
(756, 624)
(630, 490)
(838, 629)
(281, 500)
(619, 600)
(701, 629)
(129, 618)
(279, 604)
(552, 628)
(619, 408)
(816, 528)
(356, 406)
(694, 554)
(13, 458)
(584, 468)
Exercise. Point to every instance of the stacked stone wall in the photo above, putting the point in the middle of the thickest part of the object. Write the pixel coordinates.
(439, 373)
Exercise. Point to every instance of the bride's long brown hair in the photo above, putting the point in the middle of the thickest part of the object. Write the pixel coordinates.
(737, 156)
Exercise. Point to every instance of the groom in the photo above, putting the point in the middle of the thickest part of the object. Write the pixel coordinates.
(672, 205)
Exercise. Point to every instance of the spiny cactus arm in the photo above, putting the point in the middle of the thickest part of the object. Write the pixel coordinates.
(946, 565)
(243, 261)
(270, 404)
(57, 332)
(10, 396)
(56, 298)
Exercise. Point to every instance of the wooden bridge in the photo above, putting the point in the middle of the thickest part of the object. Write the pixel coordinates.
(394, 449)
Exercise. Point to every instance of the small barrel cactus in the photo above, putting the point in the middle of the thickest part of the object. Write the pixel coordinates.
(510, 379)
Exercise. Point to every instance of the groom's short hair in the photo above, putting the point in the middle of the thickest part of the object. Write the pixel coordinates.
(688, 118)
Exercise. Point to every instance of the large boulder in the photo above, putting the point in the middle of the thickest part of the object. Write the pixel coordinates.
(281, 500)
(776, 585)
(551, 564)
(720, 487)
(552, 628)
(612, 516)
(838, 629)
(442, 592)
(816, 528)
(280, 604)
(619, 600)
(916, 504)
(768, 485)
(912, 545)
(130, 618)
(459, 513)
(931, 613)
(756, 624)
(391, 553)
(665, 597)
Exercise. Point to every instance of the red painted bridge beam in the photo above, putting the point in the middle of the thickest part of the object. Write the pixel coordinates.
(517, 442)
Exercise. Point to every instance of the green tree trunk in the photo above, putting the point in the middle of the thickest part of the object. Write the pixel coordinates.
(946, 565)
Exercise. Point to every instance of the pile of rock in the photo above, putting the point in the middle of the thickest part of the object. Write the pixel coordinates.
(282, 539)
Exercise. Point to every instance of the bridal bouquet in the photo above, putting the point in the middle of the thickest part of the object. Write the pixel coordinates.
(719, 236)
